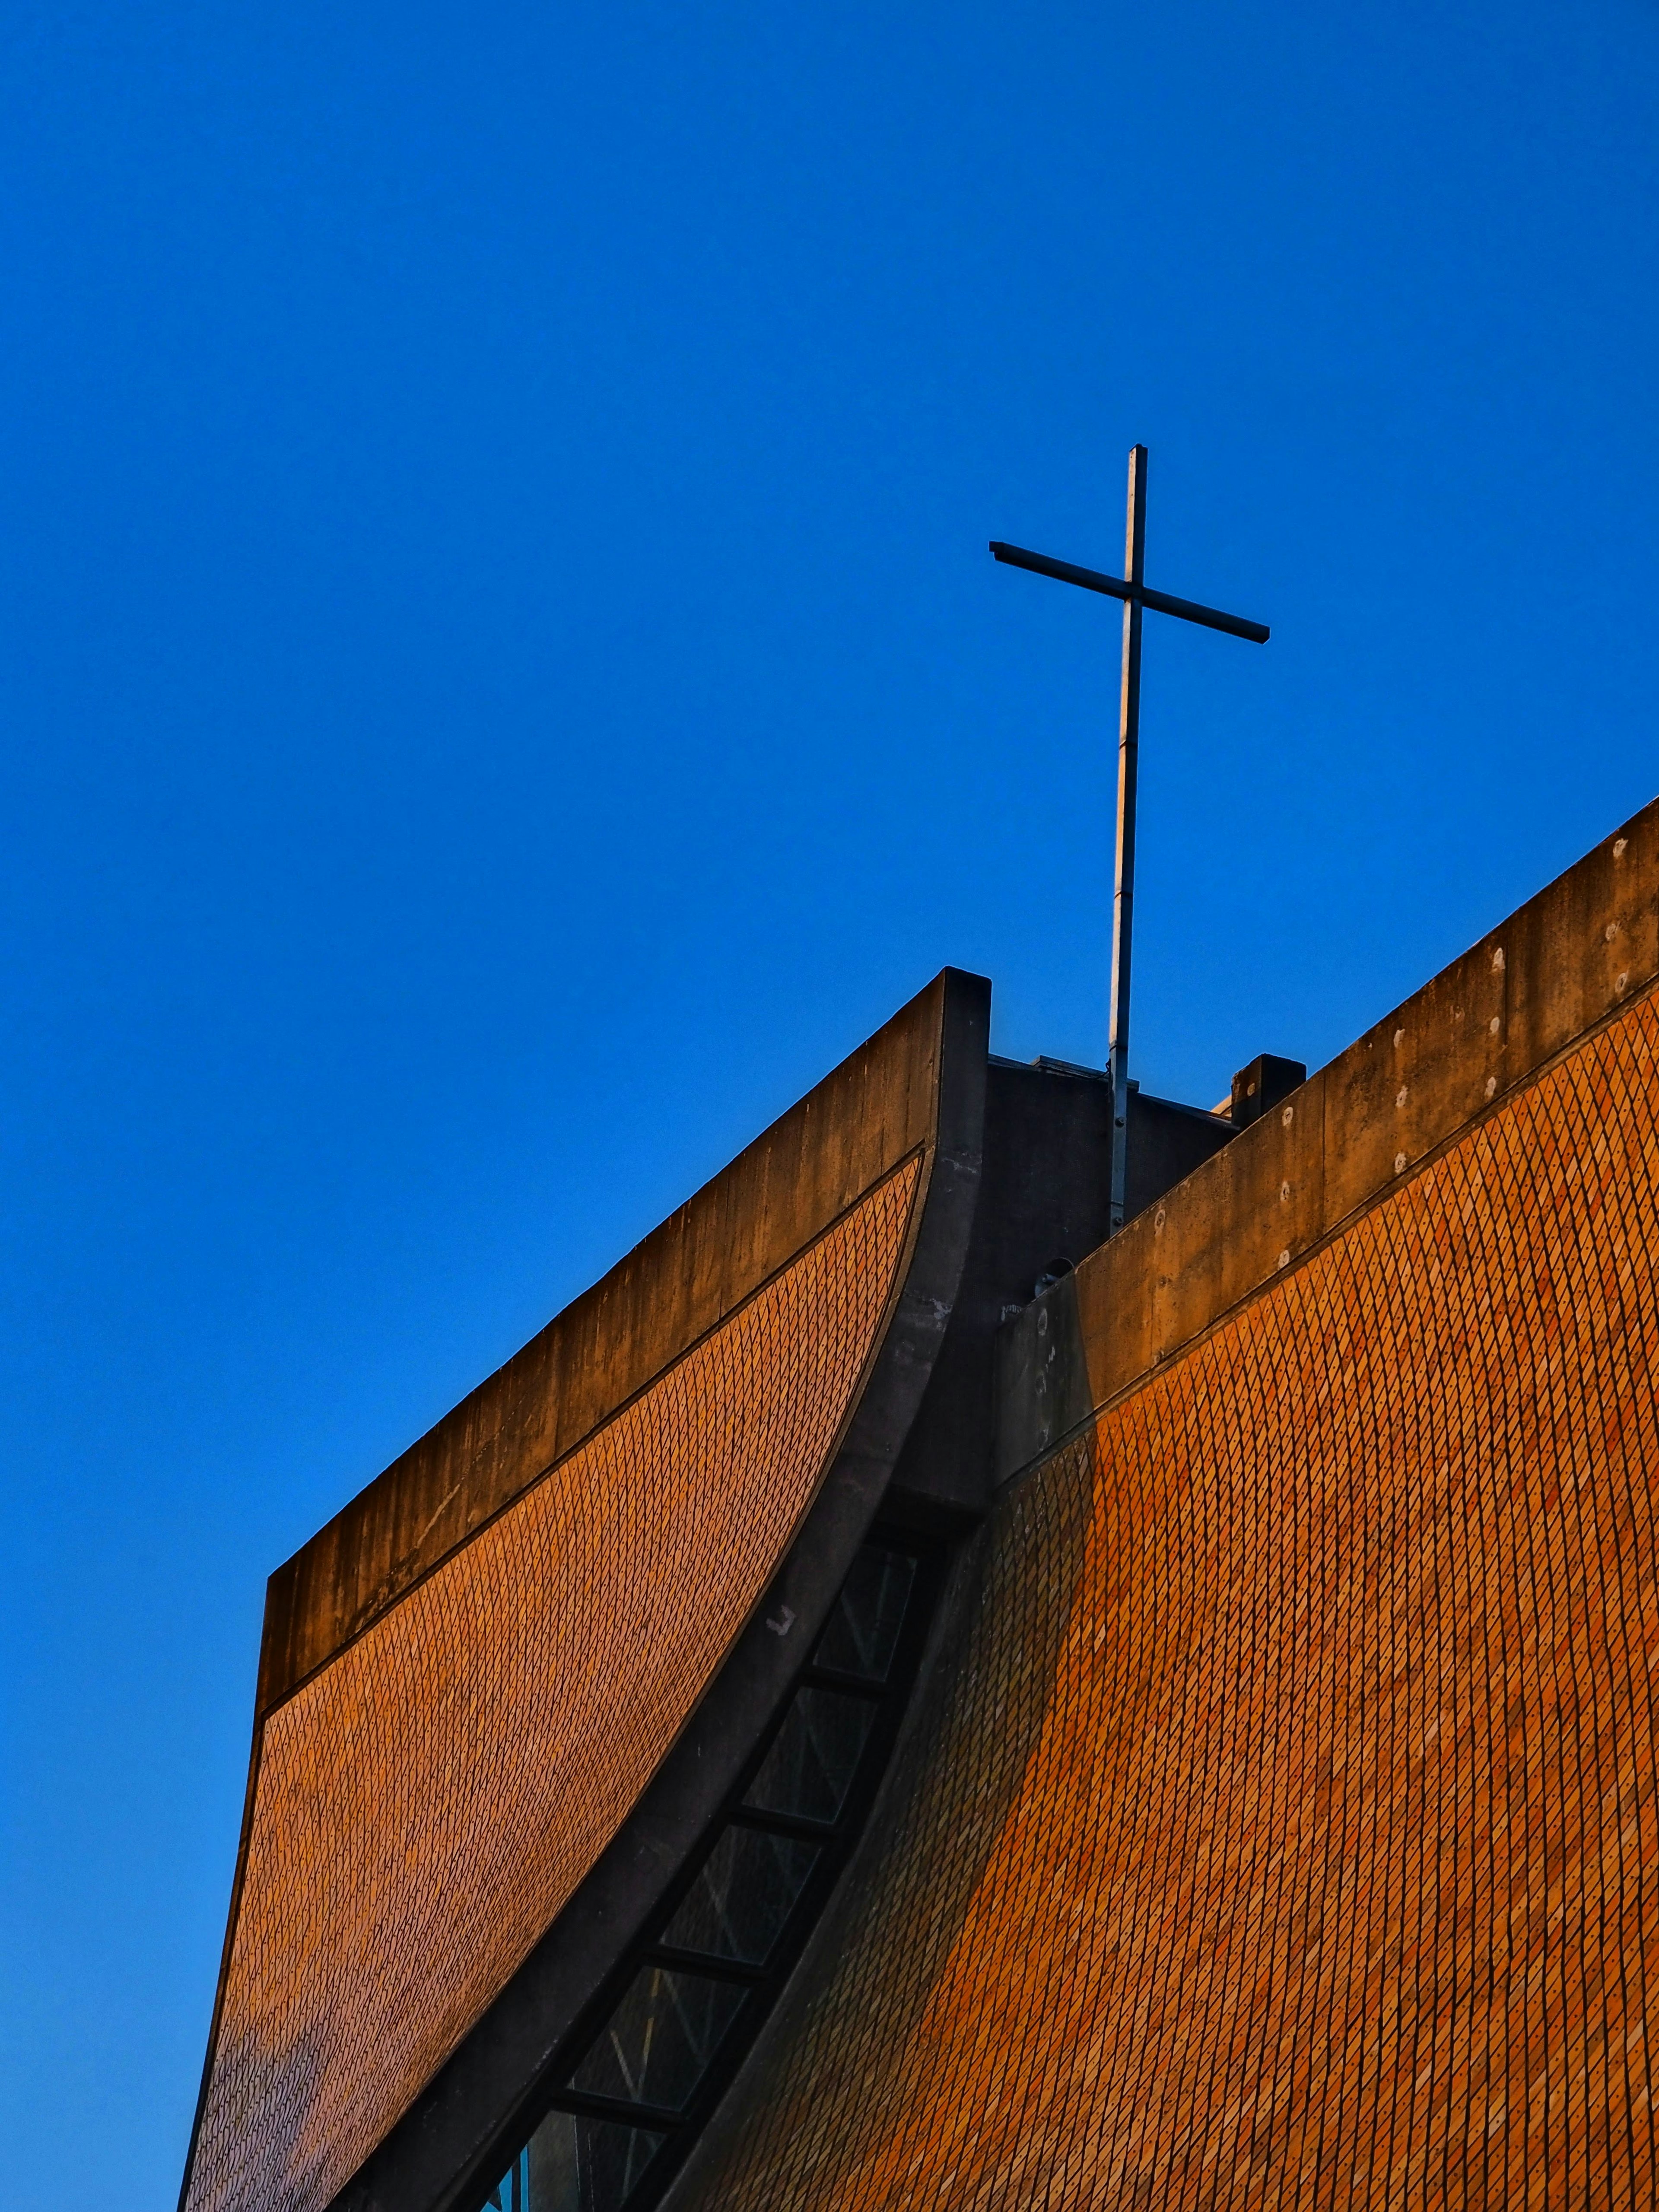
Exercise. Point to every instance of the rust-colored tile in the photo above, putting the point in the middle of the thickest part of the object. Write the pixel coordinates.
(1285, 1830)
(426, 1803)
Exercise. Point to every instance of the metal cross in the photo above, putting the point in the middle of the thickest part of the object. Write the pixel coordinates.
(1135, 595)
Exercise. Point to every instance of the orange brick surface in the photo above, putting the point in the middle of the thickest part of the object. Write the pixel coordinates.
(427, 1801)
(1281, 1827)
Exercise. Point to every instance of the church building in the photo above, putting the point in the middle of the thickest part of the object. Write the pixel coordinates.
(899, 1698)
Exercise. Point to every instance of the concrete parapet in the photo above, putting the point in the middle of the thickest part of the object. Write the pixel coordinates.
(1583, 948)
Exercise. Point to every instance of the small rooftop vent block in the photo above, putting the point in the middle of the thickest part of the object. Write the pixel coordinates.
(1258, 1088)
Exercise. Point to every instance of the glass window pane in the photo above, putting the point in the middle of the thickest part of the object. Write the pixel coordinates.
(743, 1896)
(509, 2193)
(862, 1633)
(575, 2165)
(654, 2047)
(811, 1765)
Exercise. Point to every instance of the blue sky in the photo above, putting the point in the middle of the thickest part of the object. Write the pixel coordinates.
(503, 686)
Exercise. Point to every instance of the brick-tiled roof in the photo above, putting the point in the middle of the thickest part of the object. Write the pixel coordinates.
(425, 1803)
(1283, 1826)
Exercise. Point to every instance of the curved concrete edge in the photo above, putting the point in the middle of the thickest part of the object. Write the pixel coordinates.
(446, 2149)
(612, 1342)
(837, 1927)
(1577, 955)
(887, 1099)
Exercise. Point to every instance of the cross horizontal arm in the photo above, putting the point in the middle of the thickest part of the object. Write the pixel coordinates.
(1114, 588)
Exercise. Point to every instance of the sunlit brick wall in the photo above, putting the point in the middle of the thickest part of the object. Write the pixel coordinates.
(1283, 1830)
(426, 1803)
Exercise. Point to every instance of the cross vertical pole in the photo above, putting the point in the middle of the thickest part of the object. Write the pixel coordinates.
(1123, 893)
(1132, 589)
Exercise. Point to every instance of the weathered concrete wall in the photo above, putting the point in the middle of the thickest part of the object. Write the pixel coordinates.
(682, 1280)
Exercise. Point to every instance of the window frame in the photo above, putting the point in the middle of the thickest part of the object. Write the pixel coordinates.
(765, 1981)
